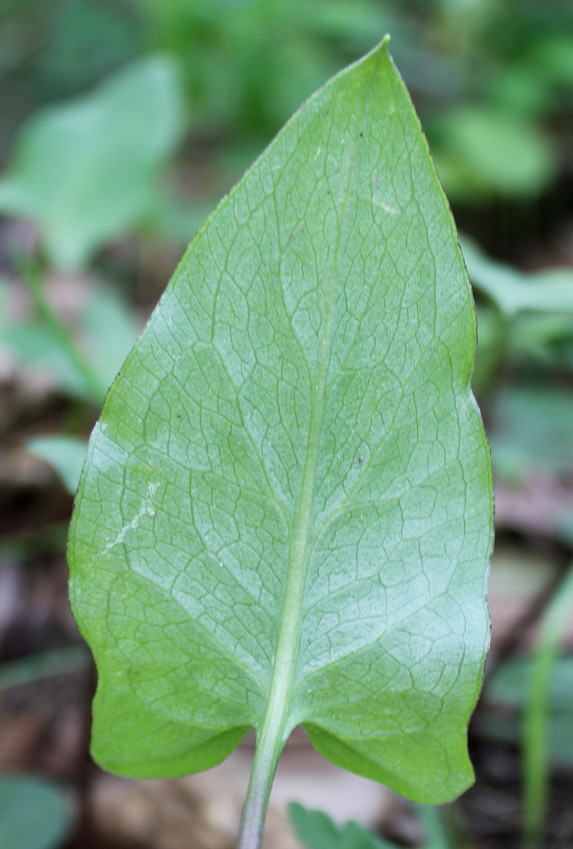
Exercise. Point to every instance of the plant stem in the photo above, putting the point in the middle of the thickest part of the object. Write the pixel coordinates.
(536, 719)
(258, 794)
(279, 720)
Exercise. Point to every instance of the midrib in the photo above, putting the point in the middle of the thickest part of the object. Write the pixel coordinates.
(278, 713)
(279, 720)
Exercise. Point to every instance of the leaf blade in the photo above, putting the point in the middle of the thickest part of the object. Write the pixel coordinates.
(306, 416)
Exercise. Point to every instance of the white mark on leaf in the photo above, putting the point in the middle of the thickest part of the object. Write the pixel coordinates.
(386, 207)
(146, 509)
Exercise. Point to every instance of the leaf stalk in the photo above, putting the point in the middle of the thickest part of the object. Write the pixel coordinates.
(256, 803)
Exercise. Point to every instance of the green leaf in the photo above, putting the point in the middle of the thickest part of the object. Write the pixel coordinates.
(286, 512)
(109, 330)
(37, 347)
(487, 150)
(532, 431)
(508, 688)
(316, 830)
(48, 664)
(87, 171)
(514, 292)
(65, 453)
(97, 344)
(437, 834)
(34, 813)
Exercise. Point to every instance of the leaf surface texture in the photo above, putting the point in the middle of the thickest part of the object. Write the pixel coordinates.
(285, 516)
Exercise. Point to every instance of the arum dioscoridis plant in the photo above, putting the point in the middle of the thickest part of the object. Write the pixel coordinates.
(285, 516)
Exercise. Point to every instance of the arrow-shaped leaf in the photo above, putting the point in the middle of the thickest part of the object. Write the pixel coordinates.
(286, 512)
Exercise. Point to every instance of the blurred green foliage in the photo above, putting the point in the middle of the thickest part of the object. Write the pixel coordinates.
(34, 813)
(532, 431)
(484, 150)
(81, 359)
(491, 78)
(493, 81)
(88, 171)
(66, 455)
(537, 694)
(507, 689)
(316, 830)
(524, 319)
(536, 761)
(513, 292)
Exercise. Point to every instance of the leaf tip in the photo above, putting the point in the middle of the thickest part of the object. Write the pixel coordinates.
(380, 50)
(383, 46)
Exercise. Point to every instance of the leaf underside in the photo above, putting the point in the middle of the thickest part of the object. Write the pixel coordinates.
(286, 512)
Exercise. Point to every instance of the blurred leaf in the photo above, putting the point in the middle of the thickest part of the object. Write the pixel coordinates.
(436, 835)
(564, 527)
(521, 91)
(248, 64)
(34, 813)
(309, 64)
(552, 58)
(316, 830)
(39, 666)
(539, 690)
(542, 339)
(109, 330)
(489, 352)
(35, 346)
(508, 685)
(176, 220)
(65, 453)
(83, 41)
(106, 329)
(508, 688)
(483, 150)
(532, 431)
(515, 292)
(357, 21)
(87, 171)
